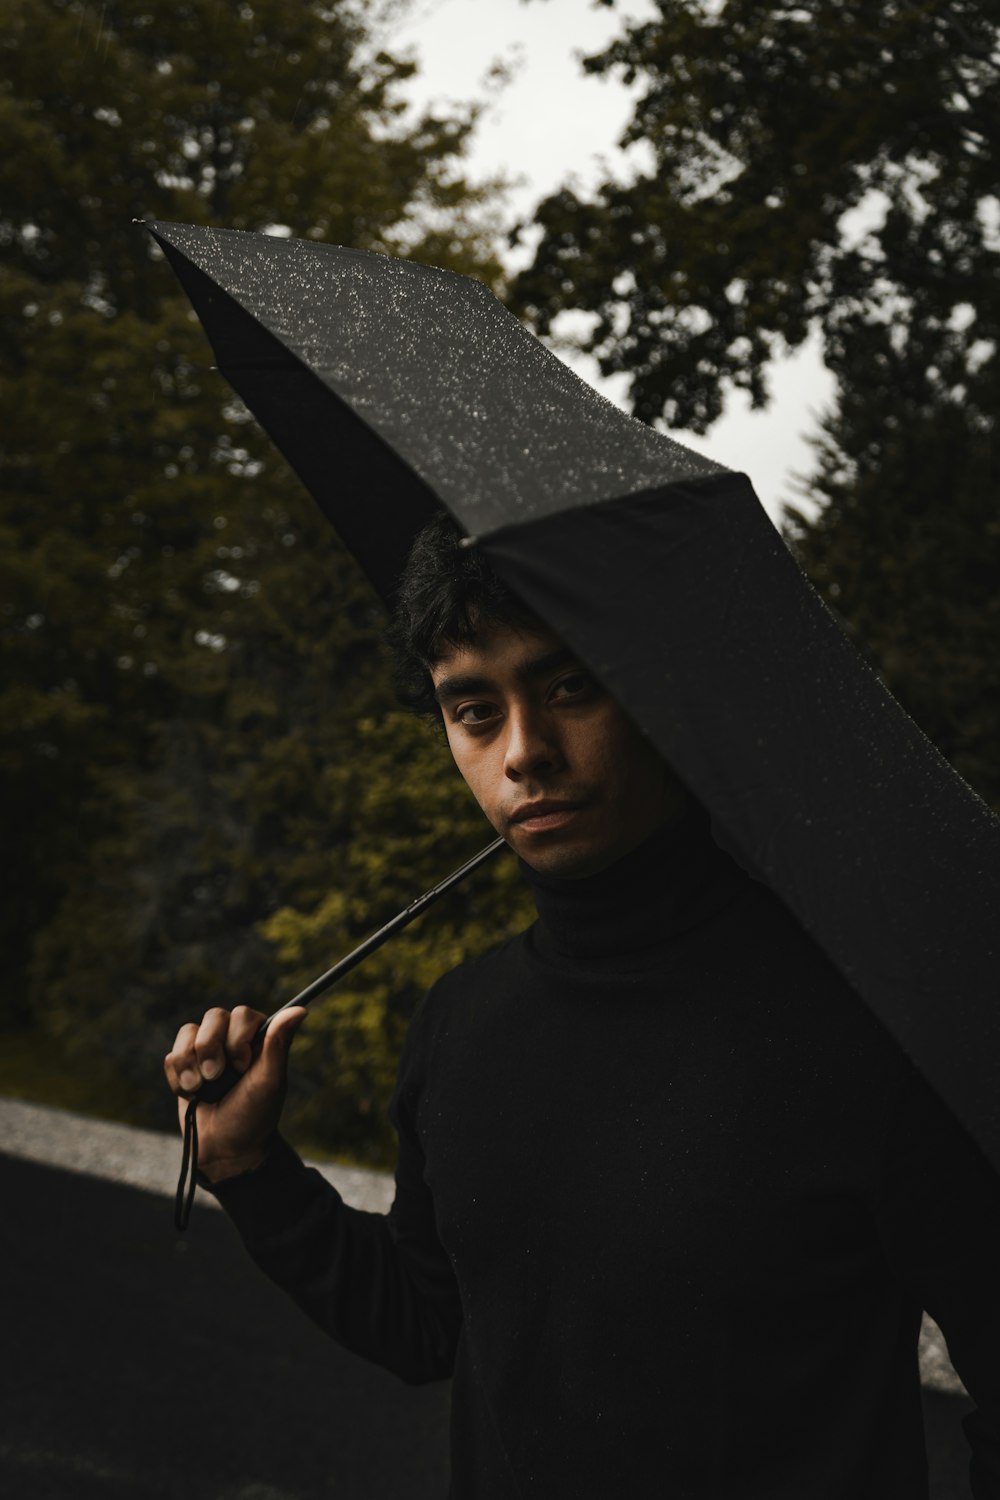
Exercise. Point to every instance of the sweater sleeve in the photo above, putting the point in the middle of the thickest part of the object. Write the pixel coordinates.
(939, 1220)
(380, 1285)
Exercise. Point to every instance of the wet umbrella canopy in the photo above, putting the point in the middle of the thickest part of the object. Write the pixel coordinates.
(394, 389)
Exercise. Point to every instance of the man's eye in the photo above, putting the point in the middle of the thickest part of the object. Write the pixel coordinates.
(474, 713)
(571, 686)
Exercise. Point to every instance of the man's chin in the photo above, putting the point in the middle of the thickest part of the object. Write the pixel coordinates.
(565, 860)
(573, 854)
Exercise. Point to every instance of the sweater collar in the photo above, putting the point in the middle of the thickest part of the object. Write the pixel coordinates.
(675, 880)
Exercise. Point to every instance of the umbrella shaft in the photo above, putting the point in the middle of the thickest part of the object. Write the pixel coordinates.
(402, 919)
(214, 1089)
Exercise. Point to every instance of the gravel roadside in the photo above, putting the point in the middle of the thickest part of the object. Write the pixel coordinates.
(147, 1159)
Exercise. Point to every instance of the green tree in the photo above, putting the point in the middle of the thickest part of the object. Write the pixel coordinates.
(906, 549)
(826, 165)
(184, 644)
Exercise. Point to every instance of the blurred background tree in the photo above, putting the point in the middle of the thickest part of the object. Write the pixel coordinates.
(197, 729)
(826, 165)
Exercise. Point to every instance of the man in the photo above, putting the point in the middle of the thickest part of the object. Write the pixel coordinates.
(669, 1201)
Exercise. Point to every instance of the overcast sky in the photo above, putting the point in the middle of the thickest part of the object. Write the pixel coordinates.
(552, 123)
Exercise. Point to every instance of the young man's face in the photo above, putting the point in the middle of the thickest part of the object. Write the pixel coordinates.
(552, 760)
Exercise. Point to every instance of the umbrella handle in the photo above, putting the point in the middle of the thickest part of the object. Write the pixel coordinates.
(214, 1089)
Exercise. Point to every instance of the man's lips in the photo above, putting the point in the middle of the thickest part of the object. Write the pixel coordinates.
(544, 816)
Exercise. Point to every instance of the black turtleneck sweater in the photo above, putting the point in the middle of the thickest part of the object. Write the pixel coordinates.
(669, 1203)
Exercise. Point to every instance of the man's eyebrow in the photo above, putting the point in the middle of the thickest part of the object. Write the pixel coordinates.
(552, 661)
(463, 685)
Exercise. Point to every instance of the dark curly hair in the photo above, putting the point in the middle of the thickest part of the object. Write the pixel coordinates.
(447, 595)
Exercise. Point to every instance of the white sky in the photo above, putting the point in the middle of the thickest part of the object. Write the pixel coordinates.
(553, 123)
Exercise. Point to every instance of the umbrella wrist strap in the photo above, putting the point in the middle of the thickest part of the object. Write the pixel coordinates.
(189, 1165)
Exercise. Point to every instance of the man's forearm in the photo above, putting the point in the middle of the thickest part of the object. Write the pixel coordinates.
(384, 1296)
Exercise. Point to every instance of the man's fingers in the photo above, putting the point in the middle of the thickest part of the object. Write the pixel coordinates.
(200, 1051)
(244, 1025)
(210, 1042)
(180, 1064)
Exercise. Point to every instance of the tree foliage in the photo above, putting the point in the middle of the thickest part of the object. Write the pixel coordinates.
(825, 165)
(185, 647)
(906, 549)
(827, 162)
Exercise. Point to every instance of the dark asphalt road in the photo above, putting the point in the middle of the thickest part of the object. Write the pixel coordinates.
(137, 1365)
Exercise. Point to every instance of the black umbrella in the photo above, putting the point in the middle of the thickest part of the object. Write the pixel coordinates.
(394, 388)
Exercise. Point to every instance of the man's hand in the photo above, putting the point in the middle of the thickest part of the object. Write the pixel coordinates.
(233, 1135)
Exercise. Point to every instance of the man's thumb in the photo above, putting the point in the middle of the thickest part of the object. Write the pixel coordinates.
(278, 1040)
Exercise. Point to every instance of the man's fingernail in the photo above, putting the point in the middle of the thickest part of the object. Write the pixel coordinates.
(189, 1079)
(210, 1068)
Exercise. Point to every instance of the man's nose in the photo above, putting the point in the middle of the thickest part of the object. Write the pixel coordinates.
(533, 747)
